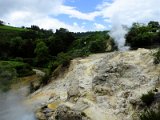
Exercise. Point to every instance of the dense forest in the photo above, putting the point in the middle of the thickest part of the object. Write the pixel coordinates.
(23, 48)
(39, 48)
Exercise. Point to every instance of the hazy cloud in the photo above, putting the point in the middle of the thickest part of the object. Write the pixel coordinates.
(129, 11)
(72, 12)
(99, 26)
(125, 12)
(28, 12)
(42, 13)
(13, 107)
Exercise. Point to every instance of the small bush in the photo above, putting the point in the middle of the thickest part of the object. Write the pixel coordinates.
(157, 57)
(97, 46)
(148, 98)
(150, 115)
(33, 87)
(63, 58)
(7, 76)
(45, 79)
(22, 69)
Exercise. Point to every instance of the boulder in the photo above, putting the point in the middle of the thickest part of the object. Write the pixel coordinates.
(41, 116)
(65, 113)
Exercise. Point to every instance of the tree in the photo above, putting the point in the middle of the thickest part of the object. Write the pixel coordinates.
(16, 46)
(154, 24)
(97, 46)
(141, 35)
(1, 22)
(35, 27)
(41, 52)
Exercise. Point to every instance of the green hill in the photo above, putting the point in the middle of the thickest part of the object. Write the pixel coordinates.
(11, 28)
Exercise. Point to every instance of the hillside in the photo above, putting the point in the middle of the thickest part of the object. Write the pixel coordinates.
(72, 76)
(108, 84)
(7, 32)
(11, 28)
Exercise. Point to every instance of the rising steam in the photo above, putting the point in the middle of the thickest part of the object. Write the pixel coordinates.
(12, 108)
(118, 32)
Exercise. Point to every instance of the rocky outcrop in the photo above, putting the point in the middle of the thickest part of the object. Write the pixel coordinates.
(65, 113)
(101, 86)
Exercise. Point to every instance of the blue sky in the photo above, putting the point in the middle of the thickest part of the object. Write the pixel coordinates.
(84, 5)
(78, 15)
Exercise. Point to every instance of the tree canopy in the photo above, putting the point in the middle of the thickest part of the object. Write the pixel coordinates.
(141, 35)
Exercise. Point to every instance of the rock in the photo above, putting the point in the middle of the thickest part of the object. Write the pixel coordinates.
(102, 90)
(47, 110)
(72, 92)
(80, 106)
(65, 113)
(41, 116)
(116, 80)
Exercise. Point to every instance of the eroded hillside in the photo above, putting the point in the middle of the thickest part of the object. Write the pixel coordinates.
(99, 87)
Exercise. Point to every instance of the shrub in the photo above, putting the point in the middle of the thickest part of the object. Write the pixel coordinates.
(7, 76)
(150, 115)
(42, 54)
(97, 46)
(63, 58)
(33, 87)
(157, 57)
(45, 79)
(143, 36)
(148, 98)
(53, 65)
(1, 22)
(22, 69)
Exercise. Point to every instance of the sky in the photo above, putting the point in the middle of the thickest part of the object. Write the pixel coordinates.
(78, 15)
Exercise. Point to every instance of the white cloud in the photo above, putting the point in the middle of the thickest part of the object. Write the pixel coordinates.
(27, 12)
(73, 13)
(39, 12)
(43, 22)
(35, 6)
(125, 12)
(99, 26)
(129, 11)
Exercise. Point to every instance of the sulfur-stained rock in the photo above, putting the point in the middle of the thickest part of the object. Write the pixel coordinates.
(111, 83)
(41, 116)
(65, 113)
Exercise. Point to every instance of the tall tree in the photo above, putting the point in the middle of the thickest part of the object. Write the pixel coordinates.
(41, 52)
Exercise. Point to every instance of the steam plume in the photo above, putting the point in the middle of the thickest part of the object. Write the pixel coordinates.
(12, 108)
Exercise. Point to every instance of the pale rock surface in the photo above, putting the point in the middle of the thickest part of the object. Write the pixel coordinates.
(102, 86)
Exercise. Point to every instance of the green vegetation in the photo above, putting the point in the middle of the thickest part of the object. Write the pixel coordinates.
(22, 69)
(148, 98)
(45, 49)
(144, 36)
(150, 114)
(10, 70)
(157, 57)
(5, 27)
(7, 76)
(91, 42)
(41, 52)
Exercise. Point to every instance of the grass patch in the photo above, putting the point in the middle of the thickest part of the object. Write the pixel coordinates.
(6, 27)
(150, 114)
(10, 70)
(22, 69)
